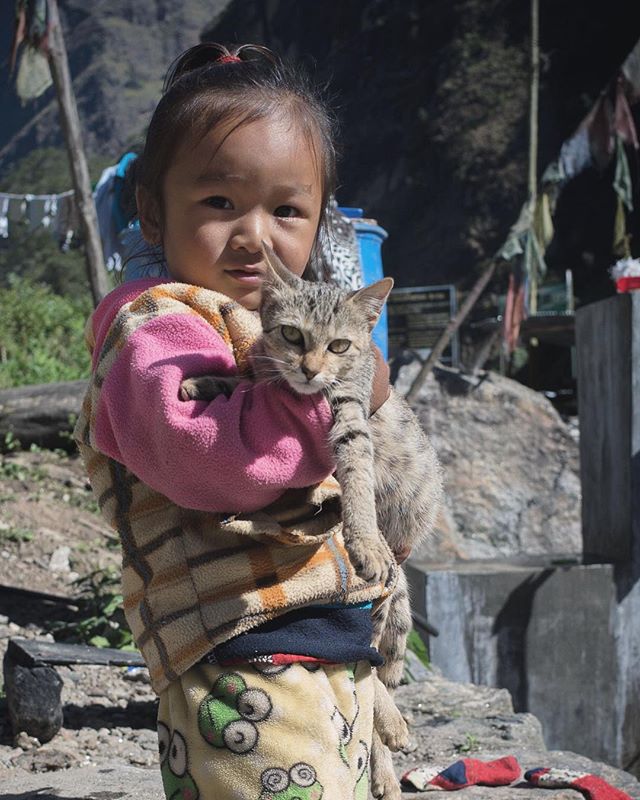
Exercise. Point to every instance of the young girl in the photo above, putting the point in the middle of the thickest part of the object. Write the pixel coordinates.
(237, 587)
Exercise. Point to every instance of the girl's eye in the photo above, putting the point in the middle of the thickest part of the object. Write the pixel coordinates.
(286, 211)
(339, 345)
(291, 334)
(218, 202)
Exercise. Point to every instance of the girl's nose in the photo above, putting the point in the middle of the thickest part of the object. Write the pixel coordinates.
(249, 233)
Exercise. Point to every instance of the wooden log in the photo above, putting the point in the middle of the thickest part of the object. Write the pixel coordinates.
(35, 653)
(42, 414)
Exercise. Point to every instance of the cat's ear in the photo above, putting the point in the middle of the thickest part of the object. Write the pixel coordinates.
(277, 273)
(372, 298)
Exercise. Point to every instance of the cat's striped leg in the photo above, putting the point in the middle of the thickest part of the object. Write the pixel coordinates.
(393, 640)
(387, 719)
(353, 448)
(384, 783)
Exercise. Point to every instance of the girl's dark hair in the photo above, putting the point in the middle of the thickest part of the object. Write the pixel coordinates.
(209, 84)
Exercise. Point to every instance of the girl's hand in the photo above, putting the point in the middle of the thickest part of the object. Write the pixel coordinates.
(380, 389)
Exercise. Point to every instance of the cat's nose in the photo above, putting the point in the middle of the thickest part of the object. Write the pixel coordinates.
(308, 372)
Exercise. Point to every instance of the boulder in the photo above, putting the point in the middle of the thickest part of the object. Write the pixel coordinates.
(511, 469)
(33, 699)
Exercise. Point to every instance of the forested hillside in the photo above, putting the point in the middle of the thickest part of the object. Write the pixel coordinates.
(432, 97)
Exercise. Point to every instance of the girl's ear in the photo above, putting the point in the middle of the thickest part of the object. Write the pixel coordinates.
(372, 298)
(149, 216)
(277, 273)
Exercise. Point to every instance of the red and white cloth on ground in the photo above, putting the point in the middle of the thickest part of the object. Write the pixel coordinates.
(591, 786)
(503, 772)
(466, 772)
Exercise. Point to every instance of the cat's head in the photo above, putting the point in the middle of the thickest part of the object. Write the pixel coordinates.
(314, 334)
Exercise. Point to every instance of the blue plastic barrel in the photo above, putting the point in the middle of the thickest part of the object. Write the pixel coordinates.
(370, 239)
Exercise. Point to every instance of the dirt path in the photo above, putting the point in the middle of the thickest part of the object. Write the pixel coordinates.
(50, 531)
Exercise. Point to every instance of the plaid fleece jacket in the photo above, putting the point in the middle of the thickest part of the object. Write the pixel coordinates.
(227, 511)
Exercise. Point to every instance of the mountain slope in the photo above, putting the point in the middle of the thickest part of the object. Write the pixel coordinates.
(432, 96)
(118, 53)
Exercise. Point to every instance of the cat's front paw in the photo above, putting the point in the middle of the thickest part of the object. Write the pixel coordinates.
(388, 722)
(206, 387)
(394, 732)
(384, 783)
(385, 786)
(370, 559)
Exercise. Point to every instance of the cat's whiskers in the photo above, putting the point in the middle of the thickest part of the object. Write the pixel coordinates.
(272, 377)
(270, 374)
(273, 359)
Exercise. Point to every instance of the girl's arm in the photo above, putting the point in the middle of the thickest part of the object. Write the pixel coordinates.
(231, 454)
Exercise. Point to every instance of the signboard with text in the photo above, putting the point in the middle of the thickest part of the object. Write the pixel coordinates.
(418, 315)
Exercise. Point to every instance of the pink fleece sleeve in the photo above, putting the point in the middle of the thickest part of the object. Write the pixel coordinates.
(233, 454)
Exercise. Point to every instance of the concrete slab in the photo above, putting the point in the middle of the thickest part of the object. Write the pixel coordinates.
(85, 783)
(556, 637)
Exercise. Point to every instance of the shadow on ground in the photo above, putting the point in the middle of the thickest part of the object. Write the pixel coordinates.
(138, 714)
(45, 794)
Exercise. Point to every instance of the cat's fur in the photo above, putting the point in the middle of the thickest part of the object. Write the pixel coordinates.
(387, 469)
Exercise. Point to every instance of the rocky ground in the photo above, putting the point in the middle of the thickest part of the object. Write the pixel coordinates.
(97, 757)
(50, 534)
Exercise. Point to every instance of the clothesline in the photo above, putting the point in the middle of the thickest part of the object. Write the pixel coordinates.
(29, 196)
(56, 212)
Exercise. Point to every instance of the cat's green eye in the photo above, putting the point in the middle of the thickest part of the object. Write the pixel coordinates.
(339, 346)
(291, 334)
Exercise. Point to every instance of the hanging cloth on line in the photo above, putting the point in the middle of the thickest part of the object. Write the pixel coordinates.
(622, 177)
(514, 311)
(34, 75)
(31, 37)
(54, 212)
(623, 123)
(621, 246)
(624, 190)
(4, 217)
(575, 156)
(542, 222)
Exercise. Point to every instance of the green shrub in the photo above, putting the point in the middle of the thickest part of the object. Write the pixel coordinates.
(36, 255)
(100, 619)
(41, 334)
(417, 646)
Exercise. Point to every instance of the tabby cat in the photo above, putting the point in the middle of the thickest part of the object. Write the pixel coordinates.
(317, 337)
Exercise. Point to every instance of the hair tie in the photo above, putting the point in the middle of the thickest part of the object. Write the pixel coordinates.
(227, 59)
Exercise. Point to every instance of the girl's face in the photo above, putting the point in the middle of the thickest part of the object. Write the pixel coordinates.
(224, 196)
